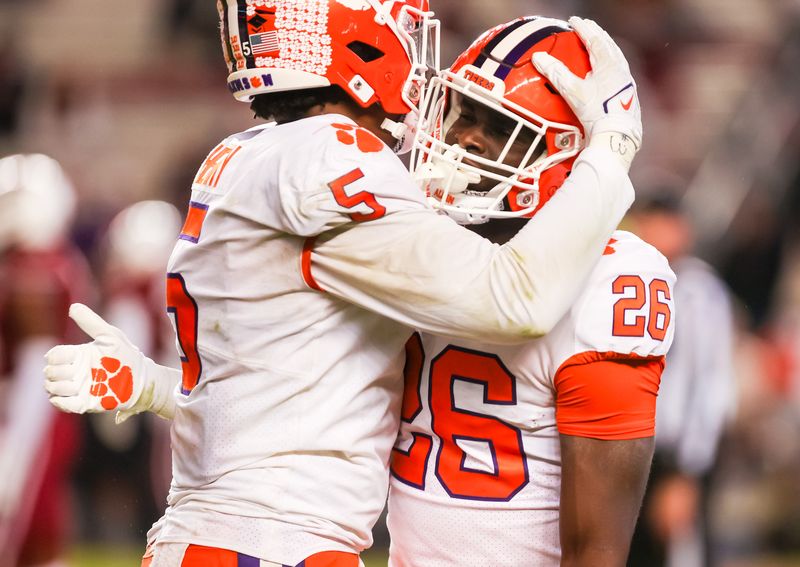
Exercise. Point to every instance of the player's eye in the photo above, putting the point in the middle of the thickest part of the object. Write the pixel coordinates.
(468, 114)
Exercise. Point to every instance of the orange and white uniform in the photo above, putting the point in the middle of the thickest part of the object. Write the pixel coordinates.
(476, 467)
(298, 275)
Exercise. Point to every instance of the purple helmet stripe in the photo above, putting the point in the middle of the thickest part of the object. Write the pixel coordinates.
(244, 34)
(522, 47)
(479, 60)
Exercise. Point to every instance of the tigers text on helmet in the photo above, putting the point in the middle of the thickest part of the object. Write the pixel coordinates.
(494, 89)
(377, 51)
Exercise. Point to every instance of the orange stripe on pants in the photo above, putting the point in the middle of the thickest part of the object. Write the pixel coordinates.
(201, 556)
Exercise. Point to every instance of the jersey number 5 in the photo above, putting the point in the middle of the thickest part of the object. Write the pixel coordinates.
(456, 427)
(183, 311)
(634, 324)
(362, 197)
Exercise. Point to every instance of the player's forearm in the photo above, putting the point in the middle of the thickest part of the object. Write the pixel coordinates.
(562, 243)
(453, 282)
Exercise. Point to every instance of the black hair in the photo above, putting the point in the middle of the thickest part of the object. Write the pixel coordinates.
(287, 106)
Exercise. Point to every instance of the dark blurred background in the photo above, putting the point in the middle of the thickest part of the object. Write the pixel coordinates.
(130, 96)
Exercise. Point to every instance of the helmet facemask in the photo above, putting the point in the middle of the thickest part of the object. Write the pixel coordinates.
(474, 185)
(419, 34)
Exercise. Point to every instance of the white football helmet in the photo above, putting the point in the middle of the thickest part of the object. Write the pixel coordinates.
(496, 139)
(141, 237)
(37, 202)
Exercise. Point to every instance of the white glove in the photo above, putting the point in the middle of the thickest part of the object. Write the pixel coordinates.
(108, 374)
(606, 101)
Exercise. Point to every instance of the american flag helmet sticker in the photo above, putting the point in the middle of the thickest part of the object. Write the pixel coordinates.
(261, 28)
(263, 43)
(282, 34)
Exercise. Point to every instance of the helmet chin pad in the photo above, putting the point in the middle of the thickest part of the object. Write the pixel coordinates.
(404, 132)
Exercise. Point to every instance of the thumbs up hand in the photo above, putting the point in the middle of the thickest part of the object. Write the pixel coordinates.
(606, 101)
(107, 374)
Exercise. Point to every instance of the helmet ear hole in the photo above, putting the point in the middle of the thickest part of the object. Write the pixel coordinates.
(550, 88)
(367, 53)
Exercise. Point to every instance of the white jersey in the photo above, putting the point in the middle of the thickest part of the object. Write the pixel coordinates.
(302, 248)
(476, 469)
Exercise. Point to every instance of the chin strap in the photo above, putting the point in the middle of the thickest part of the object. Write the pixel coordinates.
(404, 132)
(445, 183)
(442, 173)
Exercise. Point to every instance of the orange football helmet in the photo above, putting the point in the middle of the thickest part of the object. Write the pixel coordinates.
(497, 75)
(377, 51)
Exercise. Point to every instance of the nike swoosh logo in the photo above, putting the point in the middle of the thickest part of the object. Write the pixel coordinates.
(627, 105)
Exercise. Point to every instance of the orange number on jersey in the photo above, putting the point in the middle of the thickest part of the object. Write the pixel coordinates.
(452, 425)
(350, 201)
(621, 327)
(659, 312)
(409, 466)
(183, 309)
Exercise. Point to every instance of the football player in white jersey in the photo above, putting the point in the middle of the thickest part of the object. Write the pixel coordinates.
(307, 256)
(532, 455)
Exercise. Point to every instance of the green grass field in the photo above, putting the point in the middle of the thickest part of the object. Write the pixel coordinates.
(98, 556)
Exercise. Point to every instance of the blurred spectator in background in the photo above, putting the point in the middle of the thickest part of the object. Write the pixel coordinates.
(695, 399)
(139, 242)
(130, 462)
(40, 275)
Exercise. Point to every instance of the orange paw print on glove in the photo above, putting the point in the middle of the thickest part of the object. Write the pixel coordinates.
(112, 383)
(364, 140)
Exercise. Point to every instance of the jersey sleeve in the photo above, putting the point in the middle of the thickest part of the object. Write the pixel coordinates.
(338, 174)
(608, 397)
(628, 306)
(608, 375)
(423, 270)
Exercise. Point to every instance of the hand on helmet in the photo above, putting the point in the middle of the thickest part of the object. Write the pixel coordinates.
(107, 374)
(606, 100)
